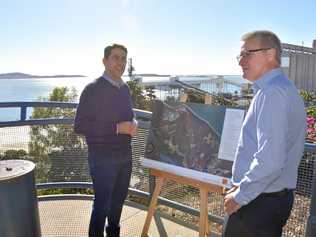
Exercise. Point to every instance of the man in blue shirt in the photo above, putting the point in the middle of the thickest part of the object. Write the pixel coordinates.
(270, 146)
(105, 117)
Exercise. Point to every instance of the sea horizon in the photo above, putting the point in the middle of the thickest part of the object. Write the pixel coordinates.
(32, 89)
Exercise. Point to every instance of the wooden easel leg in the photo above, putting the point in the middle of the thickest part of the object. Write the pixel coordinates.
(152, 206)
(203, 212)
(207, 226)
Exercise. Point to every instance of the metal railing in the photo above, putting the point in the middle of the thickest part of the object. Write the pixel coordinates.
(64, 168)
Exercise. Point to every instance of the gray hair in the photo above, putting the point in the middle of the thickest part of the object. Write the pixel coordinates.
(267, 39)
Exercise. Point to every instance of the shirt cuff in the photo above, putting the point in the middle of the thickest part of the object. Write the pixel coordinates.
(135, 122)
(241, 199)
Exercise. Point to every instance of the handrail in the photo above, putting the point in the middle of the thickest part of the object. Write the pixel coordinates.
(38, 104)
(142, 115)
(310, 147)
(144, 122)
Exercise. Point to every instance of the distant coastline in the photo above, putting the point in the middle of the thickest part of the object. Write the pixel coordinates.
(19, 75)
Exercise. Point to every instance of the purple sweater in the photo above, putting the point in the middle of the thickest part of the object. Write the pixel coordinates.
(100, 108)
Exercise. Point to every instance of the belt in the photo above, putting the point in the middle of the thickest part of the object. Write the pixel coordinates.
(281, 193)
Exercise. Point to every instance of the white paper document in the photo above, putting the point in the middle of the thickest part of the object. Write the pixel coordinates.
(231, 130)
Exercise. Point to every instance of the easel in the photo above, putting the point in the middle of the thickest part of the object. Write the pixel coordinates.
(203, 187)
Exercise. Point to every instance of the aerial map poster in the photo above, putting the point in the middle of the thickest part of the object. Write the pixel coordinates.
(186, 139)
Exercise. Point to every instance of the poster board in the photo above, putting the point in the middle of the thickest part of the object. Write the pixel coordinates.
(193, 140)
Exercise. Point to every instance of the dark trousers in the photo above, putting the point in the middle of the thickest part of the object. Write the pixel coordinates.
(263, 217)
(110, 175)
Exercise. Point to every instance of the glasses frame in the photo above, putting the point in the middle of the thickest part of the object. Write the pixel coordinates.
(247, 53)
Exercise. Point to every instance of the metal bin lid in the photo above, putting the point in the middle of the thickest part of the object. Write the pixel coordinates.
(14, 168)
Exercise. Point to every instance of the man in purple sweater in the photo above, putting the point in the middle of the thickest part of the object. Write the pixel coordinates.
(105, 117)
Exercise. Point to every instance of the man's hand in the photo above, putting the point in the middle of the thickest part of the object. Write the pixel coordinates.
(134, 128)
(230, 205)
(127, 127)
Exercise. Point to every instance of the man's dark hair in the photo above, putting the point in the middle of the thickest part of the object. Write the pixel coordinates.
(108, 49)
(267, 39)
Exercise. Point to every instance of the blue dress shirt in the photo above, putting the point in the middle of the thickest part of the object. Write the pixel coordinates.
(272, 137)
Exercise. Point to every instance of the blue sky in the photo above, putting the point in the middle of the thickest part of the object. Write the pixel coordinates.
(46, 37)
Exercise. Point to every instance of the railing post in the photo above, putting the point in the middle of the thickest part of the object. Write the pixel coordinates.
(311, 221)
(23, 113)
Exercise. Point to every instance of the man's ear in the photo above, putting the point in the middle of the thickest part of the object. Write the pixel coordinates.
(272, 54)
(105, 63)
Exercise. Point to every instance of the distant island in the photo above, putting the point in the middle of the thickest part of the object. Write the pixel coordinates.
(151, 75)
(19, 75)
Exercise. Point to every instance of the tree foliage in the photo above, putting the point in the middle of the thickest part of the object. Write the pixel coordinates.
(142, 97)
(45, 139)
(14, 155)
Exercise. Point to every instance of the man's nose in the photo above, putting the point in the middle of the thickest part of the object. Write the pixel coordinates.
(242, 61)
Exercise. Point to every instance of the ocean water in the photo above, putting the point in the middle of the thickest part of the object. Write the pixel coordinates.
(12, 90)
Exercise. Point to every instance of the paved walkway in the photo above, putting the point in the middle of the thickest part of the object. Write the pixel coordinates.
(70, 218)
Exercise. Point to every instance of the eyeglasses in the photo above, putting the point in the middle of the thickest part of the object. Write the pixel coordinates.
(247, 53)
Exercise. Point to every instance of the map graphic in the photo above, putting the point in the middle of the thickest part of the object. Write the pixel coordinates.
(187, 135)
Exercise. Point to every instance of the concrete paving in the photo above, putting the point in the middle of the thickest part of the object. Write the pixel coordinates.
(70, 218)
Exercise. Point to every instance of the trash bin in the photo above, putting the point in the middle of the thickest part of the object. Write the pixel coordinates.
(18, 200)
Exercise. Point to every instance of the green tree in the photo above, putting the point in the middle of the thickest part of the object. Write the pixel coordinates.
(142, 97)
(150, 97)
(14, 155)
(46, 139)
(136, 93)
(138, 98)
